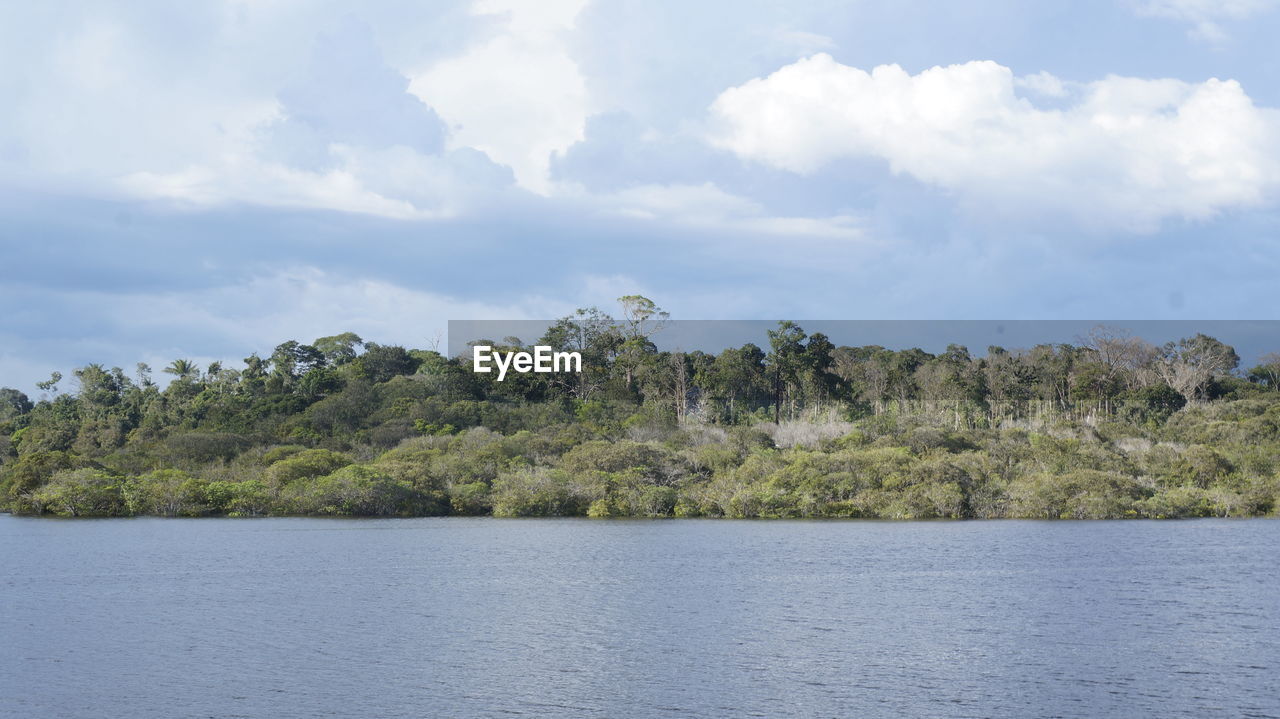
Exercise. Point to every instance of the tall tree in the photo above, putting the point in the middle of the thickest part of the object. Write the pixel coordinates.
(593, 334)
(183, 369)
(786, 360)
(735, 376)
(1190, 364)
(339, 349)
(641, 320)
(818, 382)
(13, 403)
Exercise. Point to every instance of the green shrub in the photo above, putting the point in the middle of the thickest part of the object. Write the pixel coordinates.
(470, 499)
(80, 493)
(1178, 502)
(307, 464)
(250, 498)
(167, 493)
(275, 454)
(538, 492)
(925, 501)
(1082, 494)
(650, 461)
(32, 471)
(354, 490)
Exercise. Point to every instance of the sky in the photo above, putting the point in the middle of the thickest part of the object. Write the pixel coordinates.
(208, 179)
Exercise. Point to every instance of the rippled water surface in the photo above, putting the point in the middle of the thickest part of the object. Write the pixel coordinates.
(580, 618)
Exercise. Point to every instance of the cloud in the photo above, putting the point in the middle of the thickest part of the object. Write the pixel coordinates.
(618, 151)
(228, 321)
(395, 182)
(1127, 154)
(706, 205)
(346, 135)
(94, 102)
(347, 94)
(518, 96)
(1042, 83)
(306, 302)
(1205, 16)
(200, 115)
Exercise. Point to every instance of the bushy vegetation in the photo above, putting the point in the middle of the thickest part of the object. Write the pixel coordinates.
(1112, 428)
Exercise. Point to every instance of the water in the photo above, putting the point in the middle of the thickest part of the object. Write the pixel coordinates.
(581, 618)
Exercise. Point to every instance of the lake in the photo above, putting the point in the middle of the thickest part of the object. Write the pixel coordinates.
(456, 617)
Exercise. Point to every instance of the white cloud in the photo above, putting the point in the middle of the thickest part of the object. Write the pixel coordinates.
(348, 94)
(709, 206)
(395, 182)
(267, 184)
(305, 302)
(518, 95)
(227, 322)
(1205, 15)
(105, 107)
(1042, 83)
(94, 105)
(1128, 153)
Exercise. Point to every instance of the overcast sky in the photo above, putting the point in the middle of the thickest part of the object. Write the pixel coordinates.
(208, 179)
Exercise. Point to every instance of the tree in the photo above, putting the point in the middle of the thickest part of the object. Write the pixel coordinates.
(13, 403)
(864, 371)
(253, 379)
(411, 432)
(292, 359)
(51, 384)
(1052, 366)
(818, 383)
(593, 334)
(1267, 372)
(183, 369)
(902, 371)
(669, 381)
(641, 320)
(100, 390)
(339, 349)
(1122, 356)
(380, 363)
(951, 375)
(1190, 364)
(1008, 378)
(785, 362)
(736, 375)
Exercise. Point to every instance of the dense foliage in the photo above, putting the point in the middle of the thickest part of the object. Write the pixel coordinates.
(1109, 427)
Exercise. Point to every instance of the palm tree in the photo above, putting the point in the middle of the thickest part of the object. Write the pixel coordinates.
(183, 369)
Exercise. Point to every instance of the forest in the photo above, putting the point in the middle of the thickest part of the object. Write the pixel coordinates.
(1108, 426)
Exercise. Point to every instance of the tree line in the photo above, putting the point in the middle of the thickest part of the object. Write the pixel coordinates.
(1108, 426)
